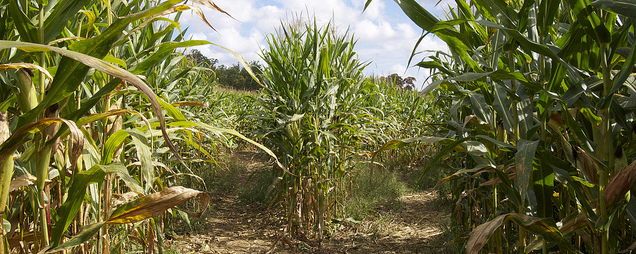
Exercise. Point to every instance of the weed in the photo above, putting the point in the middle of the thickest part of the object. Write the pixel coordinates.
(378, 191)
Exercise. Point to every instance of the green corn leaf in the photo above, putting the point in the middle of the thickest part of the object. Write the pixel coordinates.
(23, 24)
(76, 193)
(509, 189)
(83, 236)
(526, 151)
(100, 65)
(71, 206)
(497, 142)
(122, 172)
(419, 15)
(623, 7)
(470, 76)
(56, 20)
(501, 104)
(587, 144)
(231, 132)
(526, 117)
(533, 46)
(144, 154)
(367, 4)
(81, 56)
(548, 9)
(627, 68)
(436, 65)
(480, 107)
(163, 51)
(543, 186)
(396, 144)
(112, 144)
(573, 94)
(478, 152)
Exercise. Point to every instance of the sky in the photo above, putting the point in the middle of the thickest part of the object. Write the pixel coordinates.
(385, 35)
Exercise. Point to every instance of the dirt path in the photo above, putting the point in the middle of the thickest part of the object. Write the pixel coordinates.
(234, 227)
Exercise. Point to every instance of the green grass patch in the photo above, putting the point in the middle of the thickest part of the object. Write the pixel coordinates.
(370, 192)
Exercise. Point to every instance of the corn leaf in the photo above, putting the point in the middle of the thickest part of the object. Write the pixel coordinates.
(543, 186)
(623, 7)
(526, 151)
(99, 65)
(156, 203)
(83, 236)
(544, 227)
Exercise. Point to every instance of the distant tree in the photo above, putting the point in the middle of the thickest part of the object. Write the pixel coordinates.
(234, 76)
(237, 77)
(404, 83)
(199, 59)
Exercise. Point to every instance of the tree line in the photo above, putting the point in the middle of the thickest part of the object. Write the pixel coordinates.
(236, 77)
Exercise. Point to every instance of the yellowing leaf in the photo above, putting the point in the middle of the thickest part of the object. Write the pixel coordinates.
(4, 67)
(156, 203)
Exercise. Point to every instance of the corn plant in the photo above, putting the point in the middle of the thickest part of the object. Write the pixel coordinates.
(83, 87)
(312, 91)
(540, 122)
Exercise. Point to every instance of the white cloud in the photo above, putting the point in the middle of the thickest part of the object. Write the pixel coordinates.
(385, 35)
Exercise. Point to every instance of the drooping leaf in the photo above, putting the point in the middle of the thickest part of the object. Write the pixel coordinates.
(162, 52)
(544, 227)
(21, 181)
(19, 136)
(83, 236)
(234, 133)
(396, 144)
(156, 203)
(144, 155)
(13, 66)
(103, 66)
(140, 209)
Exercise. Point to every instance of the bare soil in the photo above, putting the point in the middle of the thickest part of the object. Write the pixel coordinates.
(232, 226)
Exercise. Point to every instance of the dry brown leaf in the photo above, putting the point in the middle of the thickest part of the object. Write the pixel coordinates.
(21, 181)
(620, 184)
(10, 66)
(156, 203)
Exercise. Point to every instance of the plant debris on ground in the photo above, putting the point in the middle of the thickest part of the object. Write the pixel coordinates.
(233, 225)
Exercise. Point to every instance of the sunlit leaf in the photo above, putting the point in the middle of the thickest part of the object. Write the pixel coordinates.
(156, 203)
(4, 67)
(539, 226)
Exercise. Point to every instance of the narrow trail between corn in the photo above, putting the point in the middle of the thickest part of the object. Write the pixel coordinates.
(231, 226)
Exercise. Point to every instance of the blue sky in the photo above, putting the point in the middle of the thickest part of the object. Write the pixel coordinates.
(385, 35)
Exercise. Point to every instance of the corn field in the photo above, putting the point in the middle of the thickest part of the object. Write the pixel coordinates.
(529, 116)
(89, 159)
(539, 115)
